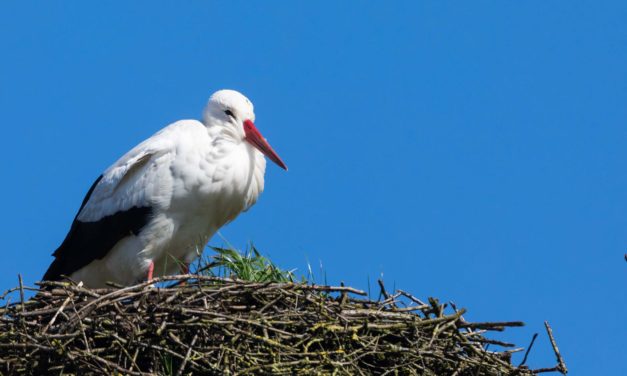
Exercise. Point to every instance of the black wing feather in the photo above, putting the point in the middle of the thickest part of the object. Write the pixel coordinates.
(89, 241)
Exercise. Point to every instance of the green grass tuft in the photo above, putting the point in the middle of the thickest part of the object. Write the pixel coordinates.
(248, 266)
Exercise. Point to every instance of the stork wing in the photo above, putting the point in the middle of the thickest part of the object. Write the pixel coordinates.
(118, 204)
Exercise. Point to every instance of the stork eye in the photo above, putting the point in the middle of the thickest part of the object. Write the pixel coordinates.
(229, 113)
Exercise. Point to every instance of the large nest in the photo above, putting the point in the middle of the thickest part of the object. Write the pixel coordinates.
(209, 325)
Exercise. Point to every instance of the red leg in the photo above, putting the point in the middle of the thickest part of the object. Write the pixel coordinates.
(151, 269)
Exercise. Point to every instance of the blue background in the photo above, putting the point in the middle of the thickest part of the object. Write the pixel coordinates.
(472, 151)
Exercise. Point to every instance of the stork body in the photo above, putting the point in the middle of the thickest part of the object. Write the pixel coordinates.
(155, 209)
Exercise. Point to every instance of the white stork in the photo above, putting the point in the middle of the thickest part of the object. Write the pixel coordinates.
(153, 211)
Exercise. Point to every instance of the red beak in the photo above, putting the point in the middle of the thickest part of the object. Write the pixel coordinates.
(256, 139)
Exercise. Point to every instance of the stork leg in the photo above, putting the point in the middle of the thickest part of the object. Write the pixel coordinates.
(151, 269)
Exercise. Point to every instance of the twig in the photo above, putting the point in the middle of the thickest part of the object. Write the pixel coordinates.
(19, 278)
(189, 353)
(236, 325)
(54, 318)
(533, 339)
(561, 366)
(382, 287)
(491, 325)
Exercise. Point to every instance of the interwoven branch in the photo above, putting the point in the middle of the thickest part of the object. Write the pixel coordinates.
(220, 326)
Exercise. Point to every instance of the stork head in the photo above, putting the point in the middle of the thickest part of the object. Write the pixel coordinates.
(235, 113)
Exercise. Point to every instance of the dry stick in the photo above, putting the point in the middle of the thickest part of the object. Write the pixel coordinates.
(189, 353)
(105, 362)
(438, 309)
(561, 366)
(533, 339)
(129, 357)
(289, 309)
(494, 342)
(19, 278)
(80, 325)
(543, 370)
(164, 349)
(65, 302)
(295, 286)
(7, 292)
(383, 292)
(498, 326)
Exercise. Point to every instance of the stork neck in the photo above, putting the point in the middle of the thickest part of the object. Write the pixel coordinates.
(224, 133)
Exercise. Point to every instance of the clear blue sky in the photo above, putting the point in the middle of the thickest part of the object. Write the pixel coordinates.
(472, 151)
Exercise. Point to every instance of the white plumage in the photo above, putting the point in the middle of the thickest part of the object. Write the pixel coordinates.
(166, 197)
